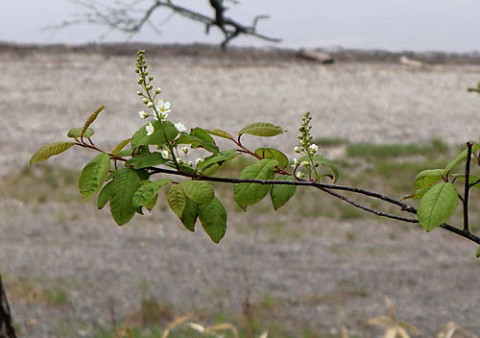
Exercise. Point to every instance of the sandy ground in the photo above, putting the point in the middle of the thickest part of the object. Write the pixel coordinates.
(320, 279)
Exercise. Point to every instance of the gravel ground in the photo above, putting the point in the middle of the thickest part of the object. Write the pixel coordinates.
(330, 273)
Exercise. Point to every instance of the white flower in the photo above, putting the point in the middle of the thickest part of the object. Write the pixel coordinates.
(313, 148)
(298, 149)
(305, 164)
(180, 127)
(295, 163)
(149, 128)
(196, 327)
(165, 154)
(142, 114)
(198, 161)
(149, 104)
(164, 106)
(158, 90)
(190, 164)
(161, 116)
(299, 174)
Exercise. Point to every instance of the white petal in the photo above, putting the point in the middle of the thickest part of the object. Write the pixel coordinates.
(180, 127)
(149, 128)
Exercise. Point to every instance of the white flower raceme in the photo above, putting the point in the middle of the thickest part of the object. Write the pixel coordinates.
(149, 128)
(142, 114)
(180, 127)
(313, 148)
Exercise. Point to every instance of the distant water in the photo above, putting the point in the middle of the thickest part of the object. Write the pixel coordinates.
(417, 25)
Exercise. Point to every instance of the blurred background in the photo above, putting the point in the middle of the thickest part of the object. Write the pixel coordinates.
(317, 268)
(439, 25)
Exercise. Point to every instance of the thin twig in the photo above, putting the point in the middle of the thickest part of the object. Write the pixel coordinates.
(367, 209)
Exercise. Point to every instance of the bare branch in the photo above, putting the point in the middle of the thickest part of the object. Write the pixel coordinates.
(129, 18)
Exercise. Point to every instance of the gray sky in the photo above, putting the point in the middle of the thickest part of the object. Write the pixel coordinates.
(420, 25)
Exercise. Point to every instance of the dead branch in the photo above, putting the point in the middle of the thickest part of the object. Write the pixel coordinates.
(130, 18)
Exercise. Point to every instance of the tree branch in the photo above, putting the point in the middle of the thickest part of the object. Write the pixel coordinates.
(119, 18)
(327, 188)
(467, 187)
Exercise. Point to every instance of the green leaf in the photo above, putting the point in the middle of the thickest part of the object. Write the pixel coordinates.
(176, 199)
(164, 132)
(197, 142)
(473, 179)
(50, 150)
(211, 170)
(478, 252)
(281, 193)
(246, 194)
(437, 205)
(273, 154)
(77, 133)
(220, 133)
(89, 121)
(428, 178)
(104, 195)
(146, 159)
(93, 175)
(219, 159)
(203, 135)
(264, 129)
(151, 204)
(124, 152)
(199, 192)
(460, 158)
(213, 217)
(147, 192)
(124, 184)
(121, 145)
(419, 193)
(190, 215)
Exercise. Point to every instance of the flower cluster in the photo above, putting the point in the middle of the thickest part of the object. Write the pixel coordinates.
(307, 149)
(304, 135)
(162, 108)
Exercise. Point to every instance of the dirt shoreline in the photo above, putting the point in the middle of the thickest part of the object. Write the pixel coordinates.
(321, 273)
(248, 55)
